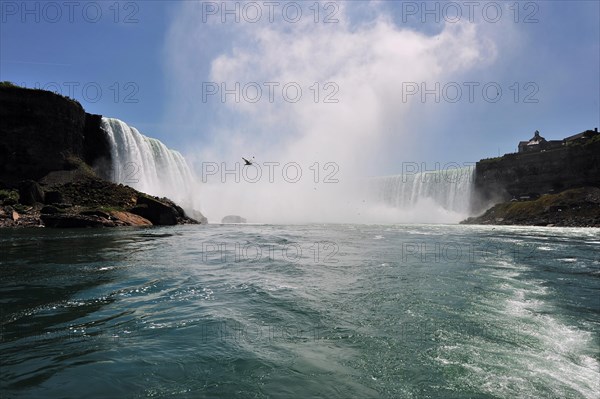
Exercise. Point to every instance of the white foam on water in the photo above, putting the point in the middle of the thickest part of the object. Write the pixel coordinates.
(545, 248)
(539, 355)
(568, 260)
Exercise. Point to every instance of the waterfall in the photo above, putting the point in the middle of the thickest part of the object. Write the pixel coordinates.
(148, 165)
(450, 189)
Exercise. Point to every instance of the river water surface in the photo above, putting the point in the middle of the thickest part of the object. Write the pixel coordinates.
(332, 311)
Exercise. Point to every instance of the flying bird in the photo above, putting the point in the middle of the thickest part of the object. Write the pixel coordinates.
(247, 161)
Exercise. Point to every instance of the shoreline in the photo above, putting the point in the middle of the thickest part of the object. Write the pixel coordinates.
(579, 207)
(86, 201)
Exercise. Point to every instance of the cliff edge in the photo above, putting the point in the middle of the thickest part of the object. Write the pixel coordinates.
(558, 185)
(532, 174)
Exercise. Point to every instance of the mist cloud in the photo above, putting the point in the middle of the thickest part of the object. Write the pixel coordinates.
(368, 60)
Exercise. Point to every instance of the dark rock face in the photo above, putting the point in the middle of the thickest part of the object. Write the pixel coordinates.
(39, 129)
(163, 211)
(50, 210)
(30, 193)
(159, 213)
(96, 212)
(96, 147)
(537, 173)
(53, 197)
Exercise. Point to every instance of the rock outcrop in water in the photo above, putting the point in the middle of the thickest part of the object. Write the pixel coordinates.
(48, 146)
(233, 219)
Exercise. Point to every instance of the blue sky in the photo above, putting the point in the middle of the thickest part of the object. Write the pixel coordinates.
(149, 59)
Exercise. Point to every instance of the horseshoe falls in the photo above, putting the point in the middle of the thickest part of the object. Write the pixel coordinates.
(431, 196)
(148, 165)
(442, 196)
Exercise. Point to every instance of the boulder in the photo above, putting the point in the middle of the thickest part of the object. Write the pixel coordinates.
(233, 219)
(130, 219)
(96, 212)
(155, 211)
(30, 192)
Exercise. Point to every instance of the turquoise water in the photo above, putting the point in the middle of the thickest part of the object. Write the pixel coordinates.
(332, 311)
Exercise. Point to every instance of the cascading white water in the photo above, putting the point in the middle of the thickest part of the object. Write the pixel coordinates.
(148, 165)
(450, 189)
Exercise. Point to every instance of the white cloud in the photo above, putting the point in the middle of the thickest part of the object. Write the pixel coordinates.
(369, 62)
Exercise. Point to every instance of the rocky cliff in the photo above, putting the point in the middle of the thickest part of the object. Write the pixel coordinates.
(536, 173)
(578, 207)
(41, 130)
(49, 146)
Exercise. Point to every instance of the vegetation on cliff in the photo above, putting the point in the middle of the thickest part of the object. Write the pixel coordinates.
(575, 207)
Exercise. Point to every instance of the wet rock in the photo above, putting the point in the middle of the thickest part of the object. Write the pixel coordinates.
(179, 210)
(50, 210)
(12, 214)
(8, 212)
(96, 212)
(30, 193)
(130, 219)
(75, 221)
(155, 211)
